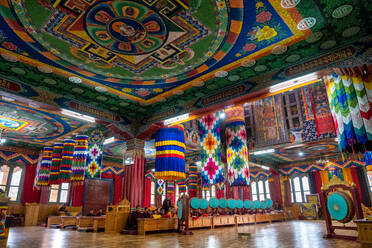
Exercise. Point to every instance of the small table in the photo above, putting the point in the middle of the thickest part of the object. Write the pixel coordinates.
(365, 232)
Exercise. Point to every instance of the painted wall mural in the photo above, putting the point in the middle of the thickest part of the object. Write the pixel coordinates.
(33, 125)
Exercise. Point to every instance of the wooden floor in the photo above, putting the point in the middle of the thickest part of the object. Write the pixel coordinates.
(287, 234)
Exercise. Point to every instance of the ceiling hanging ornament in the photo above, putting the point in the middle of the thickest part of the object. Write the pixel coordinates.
(170, 153)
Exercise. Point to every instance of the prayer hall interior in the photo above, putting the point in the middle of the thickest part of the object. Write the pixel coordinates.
(185, 123)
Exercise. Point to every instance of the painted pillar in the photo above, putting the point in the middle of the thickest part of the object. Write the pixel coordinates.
(236, 151)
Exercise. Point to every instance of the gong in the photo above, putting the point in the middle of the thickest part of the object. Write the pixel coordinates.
(195, 203)
(223, 203)
(231, 203)
(203, 204)
(213, 202)
(340, 206)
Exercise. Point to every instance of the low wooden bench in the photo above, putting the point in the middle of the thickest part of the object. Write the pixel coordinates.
(201, 222)
(67, 221)
(90, 222)
(224, 220)
(54, 220)
(99, 223)
(149, 224)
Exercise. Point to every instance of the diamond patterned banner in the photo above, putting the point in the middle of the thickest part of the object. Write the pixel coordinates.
(160, 186)
(237, 152)
(95, 154)
(210, 143)
(79, 158)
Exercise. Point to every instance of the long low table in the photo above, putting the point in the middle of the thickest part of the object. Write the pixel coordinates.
(149, 224)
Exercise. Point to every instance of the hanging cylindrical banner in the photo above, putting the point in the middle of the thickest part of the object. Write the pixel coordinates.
(237, 152)
(181, 186)
(46, 162)
(193, 177)
(170, 153)
(80, 158)
(56, 163)
(66, 163)
(210, 143)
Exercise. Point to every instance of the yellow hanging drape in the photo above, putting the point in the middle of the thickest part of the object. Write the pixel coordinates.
(324, 177)
(347, 174)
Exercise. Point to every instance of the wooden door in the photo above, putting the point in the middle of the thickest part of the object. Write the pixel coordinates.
(97, 195)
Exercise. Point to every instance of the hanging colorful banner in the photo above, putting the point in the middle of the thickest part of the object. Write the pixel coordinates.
(193, 177)
(350, 105)
(79, 158)
(170, 153)
(237, 152)
(66, 163)
(210, 143)
(56, 163)
(46, 162)
(160, 186)
(181, 186)
(94, 155)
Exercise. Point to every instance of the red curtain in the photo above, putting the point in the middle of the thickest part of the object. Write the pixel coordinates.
(78, 194)
(246, 193)
(30, 194)
(127, 181)
(137, 179)
(118, 188)
(147, 196)
(354, 175)
(318, 181)
(44, 195)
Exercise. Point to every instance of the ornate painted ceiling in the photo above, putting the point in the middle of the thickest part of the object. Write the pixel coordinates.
(146, 60)
(34, 126)
(304, 152)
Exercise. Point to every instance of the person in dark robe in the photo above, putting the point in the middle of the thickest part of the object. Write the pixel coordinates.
(91, 213)
(167, 203)
(147, 213)
(132, 219)
(99, 213)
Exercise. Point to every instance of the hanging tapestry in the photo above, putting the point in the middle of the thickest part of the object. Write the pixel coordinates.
(56, 163)
(193, 177)
(80, 158)
(269, 121)
(237, 152)
(37, 172)
(322, 113)
(46, 162)
(94, 155)
(170, 187)
(160, 187)
(181, 185)
(351, 108)
(170, 153)
(192, 138)
(66, 163)
(210, 143)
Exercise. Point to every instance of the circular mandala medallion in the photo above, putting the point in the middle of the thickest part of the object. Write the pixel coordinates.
(126, 27)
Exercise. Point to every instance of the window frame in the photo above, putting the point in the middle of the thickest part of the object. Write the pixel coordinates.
(153, 193)
(266, 192)
(59, 193)
(9, 180)
(293, 191)
(369, 179)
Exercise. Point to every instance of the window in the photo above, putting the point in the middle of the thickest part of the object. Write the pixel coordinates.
(300, 188)
(58, 193)
(213, 191)
(207, 194)
(152, 193)
(292, 110)
(260, 190)
(11, 180)
(369, 174)
(177, 194)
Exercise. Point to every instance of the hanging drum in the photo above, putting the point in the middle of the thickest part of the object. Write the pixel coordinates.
(340, 207)
(239, 204)
(195, 203)
(263, 205)
(213, 202)
(231, 203)
(223, 203)
(203, 204)
(247, 204)
(269, 203)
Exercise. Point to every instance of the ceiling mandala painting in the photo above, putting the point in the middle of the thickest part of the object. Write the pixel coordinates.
(151, 57)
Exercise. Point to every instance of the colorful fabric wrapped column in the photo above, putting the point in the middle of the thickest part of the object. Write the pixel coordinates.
(170, 153)
(350, 103)
(237, 152)
(80, 158)
(212, 167)
(66, 163)
(95, 154)
(181, 186)
(46, 162)
(56, 163)
(193, 179)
